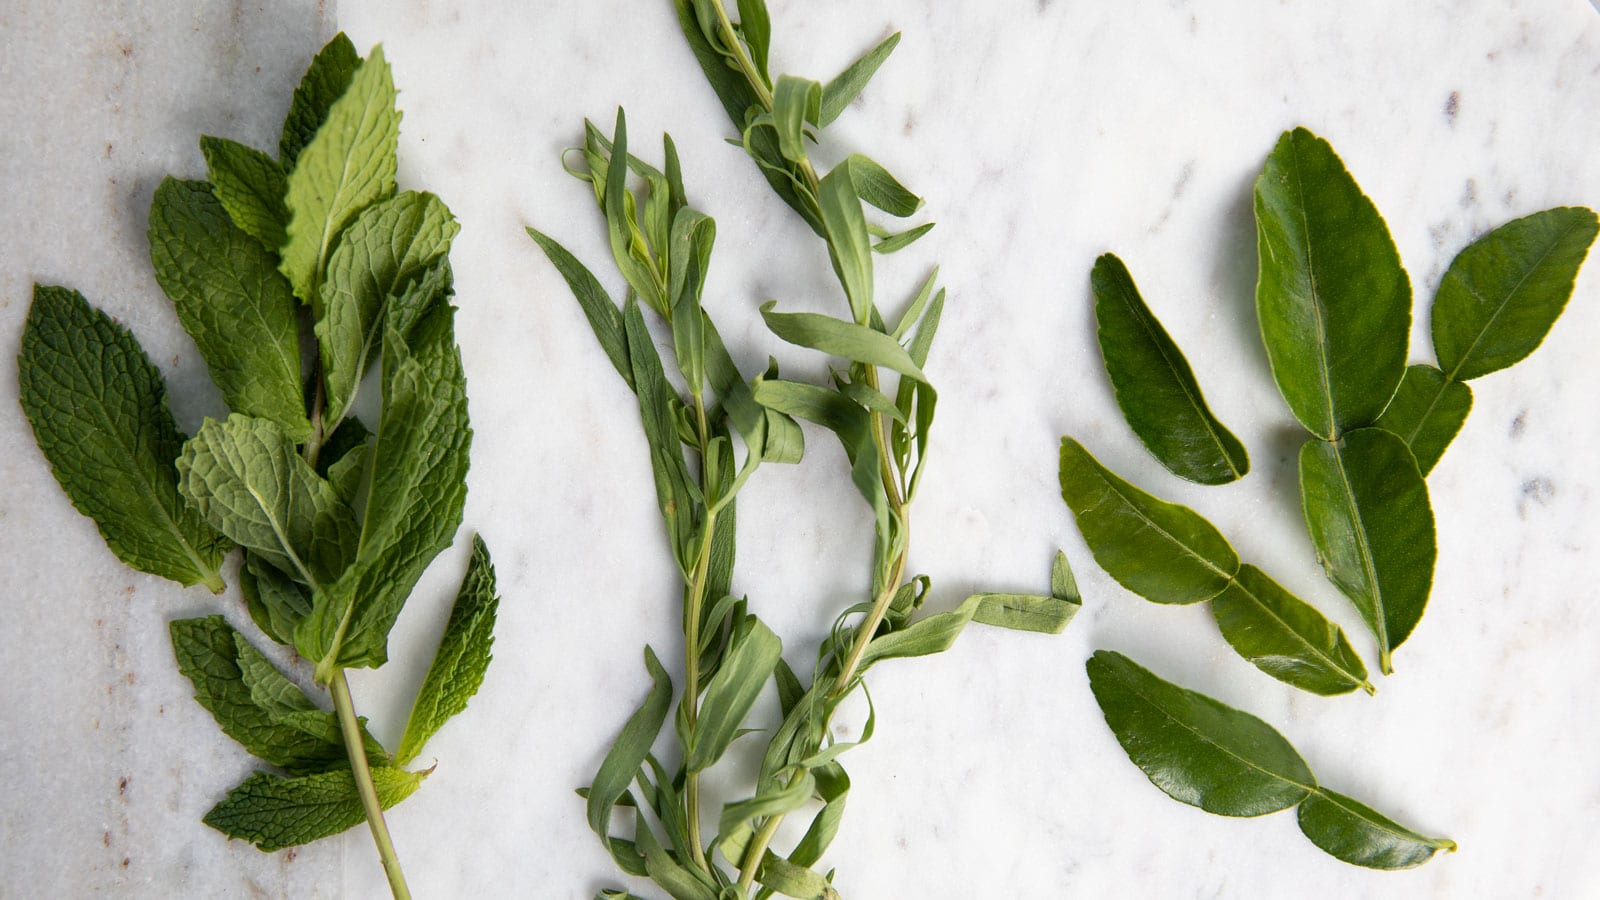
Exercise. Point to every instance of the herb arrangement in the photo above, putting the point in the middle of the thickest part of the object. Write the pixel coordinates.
(335, 522)
(1334, 307)
(662, 247)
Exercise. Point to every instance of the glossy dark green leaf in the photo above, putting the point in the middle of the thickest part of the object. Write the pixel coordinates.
(1155, 387)
(1286, 637)
(1427, 412)
(1195, 749)
(1360, 835)
(1333, 300)
(1367, 508)
(1502, 293)
(1161, 551)
(847, 85)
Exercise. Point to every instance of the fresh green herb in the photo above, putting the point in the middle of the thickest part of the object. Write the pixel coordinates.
(336, 523)
(662, 247)
(1168, 553)
(1496, 303)
(1230, 763)
(1155, 387)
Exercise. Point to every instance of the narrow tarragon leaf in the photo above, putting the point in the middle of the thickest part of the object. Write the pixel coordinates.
(232, 300)
(756, 26)
(1155, 387)
(1193, 748)
(1427, 412)
(857, 343)
(1161, 551)
(1367, 508)
(656, 397)
(462, 658)
(876, 186)
(1358, 834)
(208, 654)
(1025, 612)
(325, 82)
(778, 435)
(897, 242)
(1333, 300)
(604, 317)
(348, 165)
(250, 185)
(732, 692)
(628, 753)
(388, 244)
(248, 481)
(98, 408)
(926, 636)
(419, 468)
(1502, 294)
(849, 242)
(274, 812)
(846, 86)
(791, 880)
(796, 102)
(1286, 637)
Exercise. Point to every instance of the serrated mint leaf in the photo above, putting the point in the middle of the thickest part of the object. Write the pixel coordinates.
(273, 812)
(232, 301)
(99, 413)
(418, 294)
(463, 656)
(246, 478)
(209, 655)
(324, 83)
(388, 243)
(276, 602)
(250, 185)
(414, 506)
(348, 165)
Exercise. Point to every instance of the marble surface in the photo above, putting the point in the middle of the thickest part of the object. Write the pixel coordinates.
(1043, 133)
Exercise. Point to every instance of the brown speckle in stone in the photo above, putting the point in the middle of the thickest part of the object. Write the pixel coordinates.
(130, 678)
(290, 854)
(122, 786)
(125, 862)
(1519, 424)
(1452, 106)
(106, 839)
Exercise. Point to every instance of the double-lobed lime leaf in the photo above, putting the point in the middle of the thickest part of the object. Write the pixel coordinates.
(99, 414)
(1333, 300)
(1168, 553)
(1230, 763)
(1367, 508)
(1155, 387)
(1495, 304)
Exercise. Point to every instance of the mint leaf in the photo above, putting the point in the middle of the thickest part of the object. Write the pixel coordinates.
(461, 659)
(232, 301)
(417, 295)
(387, 244)
(247, 480)
(213, 656)
(323, 84)
(348, 165)
(273, 812)
(251, 186)
(275, 601)
(418, 489)
(99, 413)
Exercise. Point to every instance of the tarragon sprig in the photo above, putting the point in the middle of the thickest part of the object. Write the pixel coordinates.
(336, 523)
(662, 247)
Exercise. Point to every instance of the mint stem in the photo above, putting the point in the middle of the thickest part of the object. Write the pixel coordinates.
(355, 747)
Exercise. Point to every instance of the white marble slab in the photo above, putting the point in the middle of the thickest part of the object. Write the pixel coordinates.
(1042, 134)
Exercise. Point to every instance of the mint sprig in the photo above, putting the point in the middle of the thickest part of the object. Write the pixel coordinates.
(336, 522)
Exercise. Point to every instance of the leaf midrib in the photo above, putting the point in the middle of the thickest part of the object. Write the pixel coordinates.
(1316, 294)
(1369, 568)
(1316, 651)
(1112, 487)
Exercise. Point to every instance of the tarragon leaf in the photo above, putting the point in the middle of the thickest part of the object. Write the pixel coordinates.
(1427, 412)
(796, 102)
(1367, 508)
(847, 85)
(386, 245)
(623, 760)
(248, 481)
(348, 165)
(98, 409)
(1332, 297)
(604, 317)
(849, 242)
(1502, 294)
(733, 690)
(1155, 387)
(1286, 637)
(857, 343)
(418, 489)
(1161, 551)
(324, 83)
(232, 301)
(274, 812)
(461, 660)
(250, 185)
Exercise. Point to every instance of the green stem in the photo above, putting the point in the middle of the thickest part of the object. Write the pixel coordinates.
(758, 84)
(693, 605)
(356, 749)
